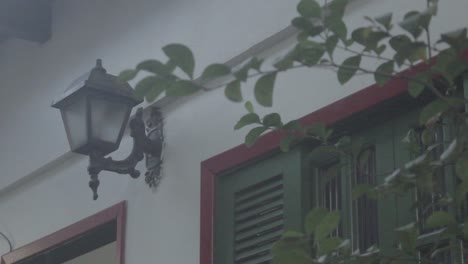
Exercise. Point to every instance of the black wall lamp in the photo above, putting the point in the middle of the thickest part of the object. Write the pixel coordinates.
(95, 113)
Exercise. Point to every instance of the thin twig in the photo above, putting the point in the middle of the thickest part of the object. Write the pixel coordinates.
(8, 241)
(369, 55)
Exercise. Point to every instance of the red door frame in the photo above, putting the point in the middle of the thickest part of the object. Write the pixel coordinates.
(115, 213)
(358, 102)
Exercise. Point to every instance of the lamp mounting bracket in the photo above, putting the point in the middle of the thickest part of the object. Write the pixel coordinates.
(147, 142)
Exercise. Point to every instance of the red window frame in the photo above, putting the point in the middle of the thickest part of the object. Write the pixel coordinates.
(115, 213)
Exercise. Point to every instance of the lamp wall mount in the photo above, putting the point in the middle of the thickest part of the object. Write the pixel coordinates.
(147, 143)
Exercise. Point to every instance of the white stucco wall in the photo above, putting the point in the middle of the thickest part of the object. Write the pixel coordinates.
(162, 225)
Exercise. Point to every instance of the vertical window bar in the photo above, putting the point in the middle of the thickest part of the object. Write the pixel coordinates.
(367, 218)
(330, 176)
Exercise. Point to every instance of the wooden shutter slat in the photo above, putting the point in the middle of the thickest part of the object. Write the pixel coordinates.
(258, 187)
(242, 199)
(273, 219)
(257, 240)
(252, 220)
(264, 200)
(258, 231)
(261, 209)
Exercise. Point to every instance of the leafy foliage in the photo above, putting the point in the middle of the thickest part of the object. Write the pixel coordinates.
(323, 34)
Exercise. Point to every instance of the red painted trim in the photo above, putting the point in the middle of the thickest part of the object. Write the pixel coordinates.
(114, 213)
(121, 231)
(207, 215)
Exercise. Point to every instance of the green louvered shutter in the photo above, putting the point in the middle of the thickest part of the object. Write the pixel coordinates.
(254, 206)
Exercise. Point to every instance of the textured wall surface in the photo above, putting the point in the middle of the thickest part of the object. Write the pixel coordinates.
(162, 225)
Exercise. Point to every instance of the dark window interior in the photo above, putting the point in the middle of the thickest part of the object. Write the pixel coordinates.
(69, 250)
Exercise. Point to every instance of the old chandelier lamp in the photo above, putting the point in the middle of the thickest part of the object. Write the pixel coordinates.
(95, 111)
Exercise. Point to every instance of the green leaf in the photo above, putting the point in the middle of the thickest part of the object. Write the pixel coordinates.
(309, 52)
(337, 26)
(411, 23)
(233, 91)
(182, 57)
(440, 219)
(249, 106)
(337, 8)
(147, 84)
(313, 218)
(127, 75)
(154, 66)
(328, 245)
(286, 141)
(361, 35)
(385, 20)
(375, 37)
(331, 43)
(306, 25)
(417, 51)
(294, 248)
(368, 38)
(309, 8)
(384, 73)
(425, 20)
(293, 125)
(443, 63)
(302, 23)
(242, 73)
(264, 89)
(272, 120)
(328, 224)
(427, 137)
(256, 63)
(318, 129)
(348, 69)
(407, 235)
(182, 88)
(456, 39)
(415, 88)
(399, 42)
(407, 50)
(380, 49)
(287, 61)
(343, 142)
(158, 88)
(302, 36)
(253, 135)
(248, 119)
(215, 71)
(461, 167)
(439, 107)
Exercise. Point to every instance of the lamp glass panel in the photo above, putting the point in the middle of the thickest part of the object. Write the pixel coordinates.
(107, 118)
(74, 118)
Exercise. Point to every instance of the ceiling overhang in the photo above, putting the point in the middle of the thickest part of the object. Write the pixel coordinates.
(26, 19)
